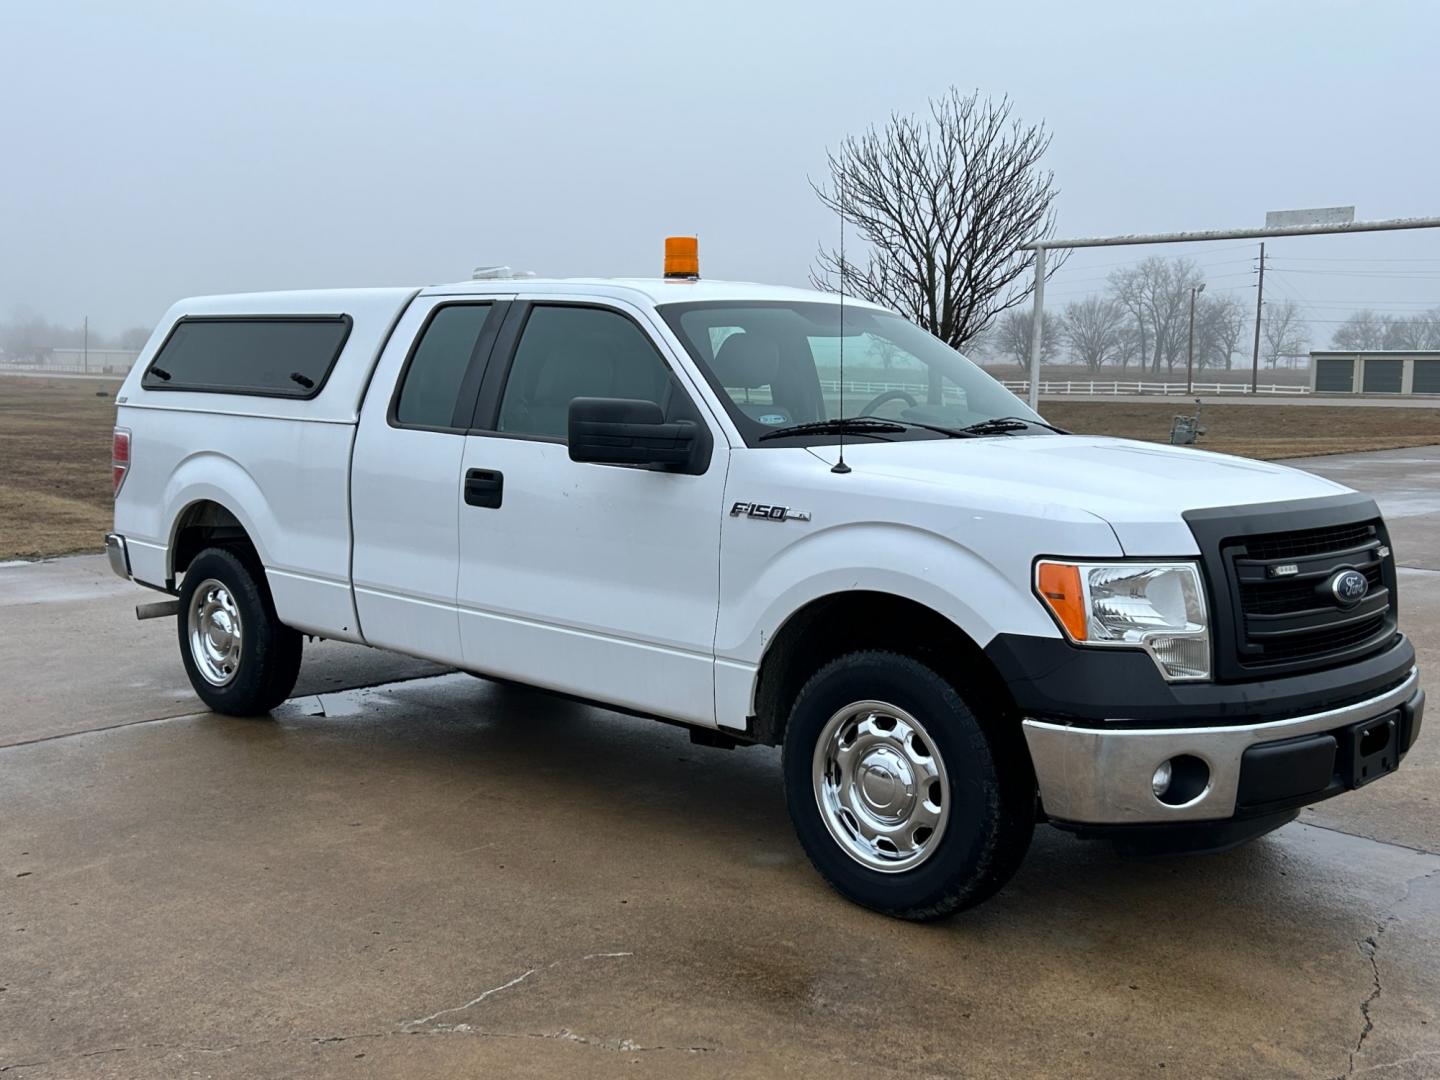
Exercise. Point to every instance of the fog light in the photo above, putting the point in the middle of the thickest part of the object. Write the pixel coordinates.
(1160, 782)
(1181, 781)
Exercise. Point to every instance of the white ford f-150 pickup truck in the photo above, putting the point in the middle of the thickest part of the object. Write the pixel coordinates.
(633, 492)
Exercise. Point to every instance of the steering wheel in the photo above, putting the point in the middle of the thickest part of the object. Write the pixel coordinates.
(887, 396)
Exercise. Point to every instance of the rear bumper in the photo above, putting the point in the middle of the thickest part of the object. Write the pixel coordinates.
(1102, 776)
(118, 554)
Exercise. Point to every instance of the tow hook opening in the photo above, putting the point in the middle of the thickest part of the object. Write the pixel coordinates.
(1375, 739)
(1180, 780)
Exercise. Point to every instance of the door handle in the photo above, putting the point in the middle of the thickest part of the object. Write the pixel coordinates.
(484, 487)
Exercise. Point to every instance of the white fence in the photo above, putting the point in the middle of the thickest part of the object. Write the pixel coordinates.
(1096, 387)
(872, 389)
(115, 366)
(1117, 387)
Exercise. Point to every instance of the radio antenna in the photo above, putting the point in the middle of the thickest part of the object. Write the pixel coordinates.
(840, 466)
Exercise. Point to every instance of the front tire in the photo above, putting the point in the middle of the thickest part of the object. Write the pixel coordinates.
(241, 660)
(905, 799)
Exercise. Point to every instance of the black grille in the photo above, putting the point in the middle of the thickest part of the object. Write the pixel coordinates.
(1281, 597)
(1285, 615)
(1297, 545)
(1326, 642)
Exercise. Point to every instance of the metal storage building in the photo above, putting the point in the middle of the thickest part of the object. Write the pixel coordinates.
(1375, 371)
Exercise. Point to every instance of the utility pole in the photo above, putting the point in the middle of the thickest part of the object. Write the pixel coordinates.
(1037, 324)
(1190, 349)
(85, 353)
(1259, 299)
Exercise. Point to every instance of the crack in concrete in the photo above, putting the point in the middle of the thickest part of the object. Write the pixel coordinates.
(472, 1002)
(430, 1020)
(1369, 947)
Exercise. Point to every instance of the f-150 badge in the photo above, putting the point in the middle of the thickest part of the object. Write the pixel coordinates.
(768, 513)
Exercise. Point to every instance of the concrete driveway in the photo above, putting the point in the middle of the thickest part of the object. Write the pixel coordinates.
(442, 877)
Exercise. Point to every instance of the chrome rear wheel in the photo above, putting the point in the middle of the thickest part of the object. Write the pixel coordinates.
(216, 632)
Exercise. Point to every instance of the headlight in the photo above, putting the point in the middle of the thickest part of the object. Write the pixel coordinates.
(1159, 607)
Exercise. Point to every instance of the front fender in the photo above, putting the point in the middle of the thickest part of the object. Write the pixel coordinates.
(944, 575)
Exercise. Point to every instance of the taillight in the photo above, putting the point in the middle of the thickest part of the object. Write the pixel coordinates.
(119, 458)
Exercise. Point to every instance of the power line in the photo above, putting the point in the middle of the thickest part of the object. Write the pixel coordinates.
(1400, 275)
(1414, 306)
(1338, 258)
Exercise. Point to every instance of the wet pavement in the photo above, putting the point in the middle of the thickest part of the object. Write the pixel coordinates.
(445, 877)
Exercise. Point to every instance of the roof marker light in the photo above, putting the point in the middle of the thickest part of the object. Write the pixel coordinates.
(682, 257)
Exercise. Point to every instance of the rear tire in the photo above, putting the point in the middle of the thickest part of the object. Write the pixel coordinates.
(905, 799)
(241, 660)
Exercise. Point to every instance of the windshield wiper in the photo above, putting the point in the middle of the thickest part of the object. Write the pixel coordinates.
(879, 426)
(999, 425)
(850, 425)
(995, 425)
(954, 433)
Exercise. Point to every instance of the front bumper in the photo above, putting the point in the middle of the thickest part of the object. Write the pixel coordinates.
(1102, 776)
(118, 554)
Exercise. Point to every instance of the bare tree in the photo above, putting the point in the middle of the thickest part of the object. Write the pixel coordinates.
(1014, 331)
(1092, 328)
(1413, 333)
(1427, 327)
(1157, 295)
(984, 346)
(1283, 331)
(1364, 329)
(1220, 325)
(133, 339)
(942, 202)
(1130, 344)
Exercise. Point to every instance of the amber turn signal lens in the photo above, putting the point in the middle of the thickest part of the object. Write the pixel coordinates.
(1059, 587)
(682, 257)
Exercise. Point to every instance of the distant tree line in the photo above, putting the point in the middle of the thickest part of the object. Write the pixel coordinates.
(1141, 323)
(27, 335)
(1367, 329)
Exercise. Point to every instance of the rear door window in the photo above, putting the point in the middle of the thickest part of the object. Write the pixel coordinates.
(431, 389)
(268, 356)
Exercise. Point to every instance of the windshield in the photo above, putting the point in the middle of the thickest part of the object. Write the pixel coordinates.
(776, 365)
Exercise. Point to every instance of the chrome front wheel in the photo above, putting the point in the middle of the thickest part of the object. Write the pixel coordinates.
(881, 786)
(216, 632)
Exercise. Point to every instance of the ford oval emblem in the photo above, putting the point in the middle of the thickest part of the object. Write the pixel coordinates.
(1349, 586)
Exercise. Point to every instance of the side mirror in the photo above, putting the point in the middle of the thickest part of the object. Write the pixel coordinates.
(618, 431)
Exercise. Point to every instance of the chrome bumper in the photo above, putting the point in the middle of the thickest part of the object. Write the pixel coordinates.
(118, 555)
(1099, 777)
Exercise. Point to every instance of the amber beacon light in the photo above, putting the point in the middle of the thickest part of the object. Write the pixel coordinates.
(682, 257)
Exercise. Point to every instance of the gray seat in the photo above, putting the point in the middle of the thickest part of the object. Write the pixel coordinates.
(747, 361)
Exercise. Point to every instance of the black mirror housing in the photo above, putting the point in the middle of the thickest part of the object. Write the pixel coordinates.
(621, 431)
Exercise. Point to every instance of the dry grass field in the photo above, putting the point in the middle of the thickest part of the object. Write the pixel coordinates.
(54, 465)
(55, 448)
(1258, 431)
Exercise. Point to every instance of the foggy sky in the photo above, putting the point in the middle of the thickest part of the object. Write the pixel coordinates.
(154, 150)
